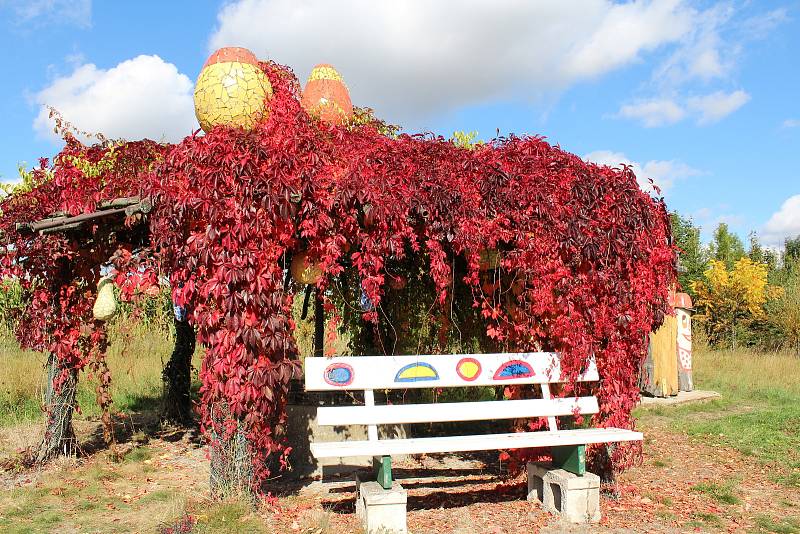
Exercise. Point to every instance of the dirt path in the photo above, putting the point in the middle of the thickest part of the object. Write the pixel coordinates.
(682, 485)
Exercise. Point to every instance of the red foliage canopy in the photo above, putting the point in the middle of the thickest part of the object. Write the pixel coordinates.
(585, 255)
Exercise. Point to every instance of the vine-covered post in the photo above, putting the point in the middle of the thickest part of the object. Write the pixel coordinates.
(177, 373)
(59, 403)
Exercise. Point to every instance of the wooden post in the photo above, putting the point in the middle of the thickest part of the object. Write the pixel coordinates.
(319, 326)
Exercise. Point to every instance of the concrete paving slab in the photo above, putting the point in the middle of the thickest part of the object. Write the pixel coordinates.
(682, 397)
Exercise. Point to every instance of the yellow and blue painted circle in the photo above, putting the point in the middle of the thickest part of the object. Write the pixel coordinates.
(468, 369)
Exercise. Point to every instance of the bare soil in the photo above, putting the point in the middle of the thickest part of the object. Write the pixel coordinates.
(156, 475)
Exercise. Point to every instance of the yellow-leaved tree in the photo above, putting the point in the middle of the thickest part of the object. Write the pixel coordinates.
(729, 299)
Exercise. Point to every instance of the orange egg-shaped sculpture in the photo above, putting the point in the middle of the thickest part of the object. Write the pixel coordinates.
(231, 90)
(326, 96)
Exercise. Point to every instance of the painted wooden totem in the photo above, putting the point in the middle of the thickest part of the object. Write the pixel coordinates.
(683, 314)
(668, 367)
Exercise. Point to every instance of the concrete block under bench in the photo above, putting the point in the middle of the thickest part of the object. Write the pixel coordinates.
(574, 498)
(381, 511)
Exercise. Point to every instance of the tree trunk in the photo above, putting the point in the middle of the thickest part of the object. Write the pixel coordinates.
(319, 325)
(177, 376)
(231, 460)
(59, 436)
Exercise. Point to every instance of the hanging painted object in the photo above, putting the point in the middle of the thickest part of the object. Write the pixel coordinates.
(231, 90)
(106, 304)
(683, 314)
(326, 96)
(303, 270)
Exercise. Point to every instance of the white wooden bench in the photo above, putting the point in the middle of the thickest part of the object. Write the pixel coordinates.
(370, 373)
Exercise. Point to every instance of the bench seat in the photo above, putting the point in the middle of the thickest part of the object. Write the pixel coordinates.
(519, 440)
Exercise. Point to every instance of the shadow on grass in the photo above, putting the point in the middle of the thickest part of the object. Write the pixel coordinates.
(141, 422)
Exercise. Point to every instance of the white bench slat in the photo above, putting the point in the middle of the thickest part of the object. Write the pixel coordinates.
(435, 371)
(473, 443)
(395, 414)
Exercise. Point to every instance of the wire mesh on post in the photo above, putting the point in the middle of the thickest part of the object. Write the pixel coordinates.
(231, 461)
(59, 400)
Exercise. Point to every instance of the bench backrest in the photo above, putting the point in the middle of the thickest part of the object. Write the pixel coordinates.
(369, 373)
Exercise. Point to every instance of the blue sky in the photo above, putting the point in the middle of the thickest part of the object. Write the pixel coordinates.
(703, 97)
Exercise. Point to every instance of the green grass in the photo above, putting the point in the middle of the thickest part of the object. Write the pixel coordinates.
(722, 493)
(79, 498)
(136, 358)
(779, 526)
(158, 496)
(139, 454)
(233, 516)
(759, 413)
(703, 519)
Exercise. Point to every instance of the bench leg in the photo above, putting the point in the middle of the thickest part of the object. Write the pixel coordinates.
(383, 470)
(381, 511)
(571, 458)
(574, 498)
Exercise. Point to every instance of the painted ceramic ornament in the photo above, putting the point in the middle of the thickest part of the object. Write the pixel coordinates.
(105, 306)
(326, 96)
(305, 271)
(231, 90)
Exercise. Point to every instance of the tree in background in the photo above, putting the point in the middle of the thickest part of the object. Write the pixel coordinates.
(756, 302)
(791, 253)
(784, 313)
(693, 258)
(732, 299)
(759, 254)
(726, 246)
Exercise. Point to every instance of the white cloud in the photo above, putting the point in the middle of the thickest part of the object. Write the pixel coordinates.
(718, 105)
(141, 97)
(791, 123)
(663, 173)
(784, 223)
(703, 54)
(708, 53)
(707, 109)
(651, 113)
(40, 12)
(409, 58)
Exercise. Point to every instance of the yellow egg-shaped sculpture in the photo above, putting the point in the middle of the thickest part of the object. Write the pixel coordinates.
(105, 306)
(231, 90)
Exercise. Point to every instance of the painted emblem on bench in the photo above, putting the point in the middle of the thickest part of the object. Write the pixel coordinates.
(514, 369)
(416, 372)
(468, 369)
(339, 374)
